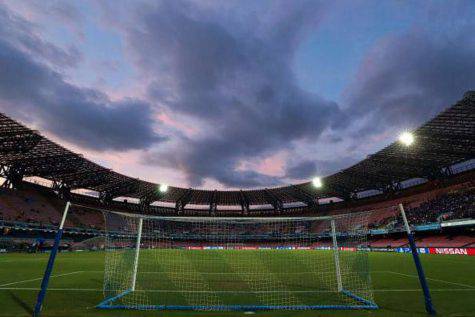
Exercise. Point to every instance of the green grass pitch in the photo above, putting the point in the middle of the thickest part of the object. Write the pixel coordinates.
(76, 285)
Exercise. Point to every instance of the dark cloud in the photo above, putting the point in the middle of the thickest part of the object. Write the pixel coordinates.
(236, 78)
(307, 169)
(302, 170)
(409, 78)
(199, 158)
(228, 68)
(33, 91)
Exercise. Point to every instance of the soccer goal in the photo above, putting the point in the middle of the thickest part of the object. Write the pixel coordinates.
(247, 263)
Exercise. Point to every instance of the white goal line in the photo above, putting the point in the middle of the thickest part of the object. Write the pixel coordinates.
(225, 273)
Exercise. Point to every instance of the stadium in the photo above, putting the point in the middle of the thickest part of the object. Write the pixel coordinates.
(272, 252)
(206, 158)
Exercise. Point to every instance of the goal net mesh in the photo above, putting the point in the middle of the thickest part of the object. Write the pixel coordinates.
(236, 263)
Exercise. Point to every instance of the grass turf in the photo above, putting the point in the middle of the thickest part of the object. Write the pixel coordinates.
(78, 279)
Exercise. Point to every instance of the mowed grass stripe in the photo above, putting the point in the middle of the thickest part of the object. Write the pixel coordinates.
(281, 262)
(192, 279)
(151, 280)
(325, 281)
(231, 289)
(396, 295)
(174, 271)
(269, 278)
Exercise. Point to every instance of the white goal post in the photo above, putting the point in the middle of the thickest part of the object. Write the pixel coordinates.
(137, 253)
(236, 263)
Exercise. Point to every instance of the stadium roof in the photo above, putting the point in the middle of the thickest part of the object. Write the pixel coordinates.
(440, 143)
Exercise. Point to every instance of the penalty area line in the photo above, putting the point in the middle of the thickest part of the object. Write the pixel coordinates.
(434, 279)
(38, 278)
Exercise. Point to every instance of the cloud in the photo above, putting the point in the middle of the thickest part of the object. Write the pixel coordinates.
(409, 78)
(223, 72)
(22, 35)
(214, 159)
(34, 92)
(303, 169)
(235, 75)
(307, 169)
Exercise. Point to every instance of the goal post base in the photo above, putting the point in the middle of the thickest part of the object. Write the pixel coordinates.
(364, 304)
(108, 303)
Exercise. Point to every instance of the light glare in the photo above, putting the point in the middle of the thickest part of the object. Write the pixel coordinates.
(317, 182)
(163, 188)
(406, 138)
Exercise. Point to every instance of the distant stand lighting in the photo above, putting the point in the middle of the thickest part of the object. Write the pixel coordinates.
(406, 138)
(163, 188)
(317, 182)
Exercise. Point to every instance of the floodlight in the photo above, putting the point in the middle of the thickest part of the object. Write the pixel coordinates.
(317, 182)
(406, 138)
(163, 188)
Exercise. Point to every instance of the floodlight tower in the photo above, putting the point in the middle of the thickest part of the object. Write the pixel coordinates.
(407, 139)
(317, 182)
(163, 188)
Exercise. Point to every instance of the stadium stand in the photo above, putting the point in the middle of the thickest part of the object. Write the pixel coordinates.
(446, 241)
(443, 142)
(443, 159)
(451, 205)
(34, 206)
(28, 206)
(388, 242)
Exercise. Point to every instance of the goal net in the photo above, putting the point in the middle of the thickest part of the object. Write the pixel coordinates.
(212, 263)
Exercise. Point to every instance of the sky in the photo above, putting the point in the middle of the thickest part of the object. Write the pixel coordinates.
(232, 94)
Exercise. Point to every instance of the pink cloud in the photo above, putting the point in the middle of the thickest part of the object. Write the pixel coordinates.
(168, 120)
(273, 165)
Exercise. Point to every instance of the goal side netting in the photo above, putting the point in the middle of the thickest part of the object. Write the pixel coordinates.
(212, 263)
